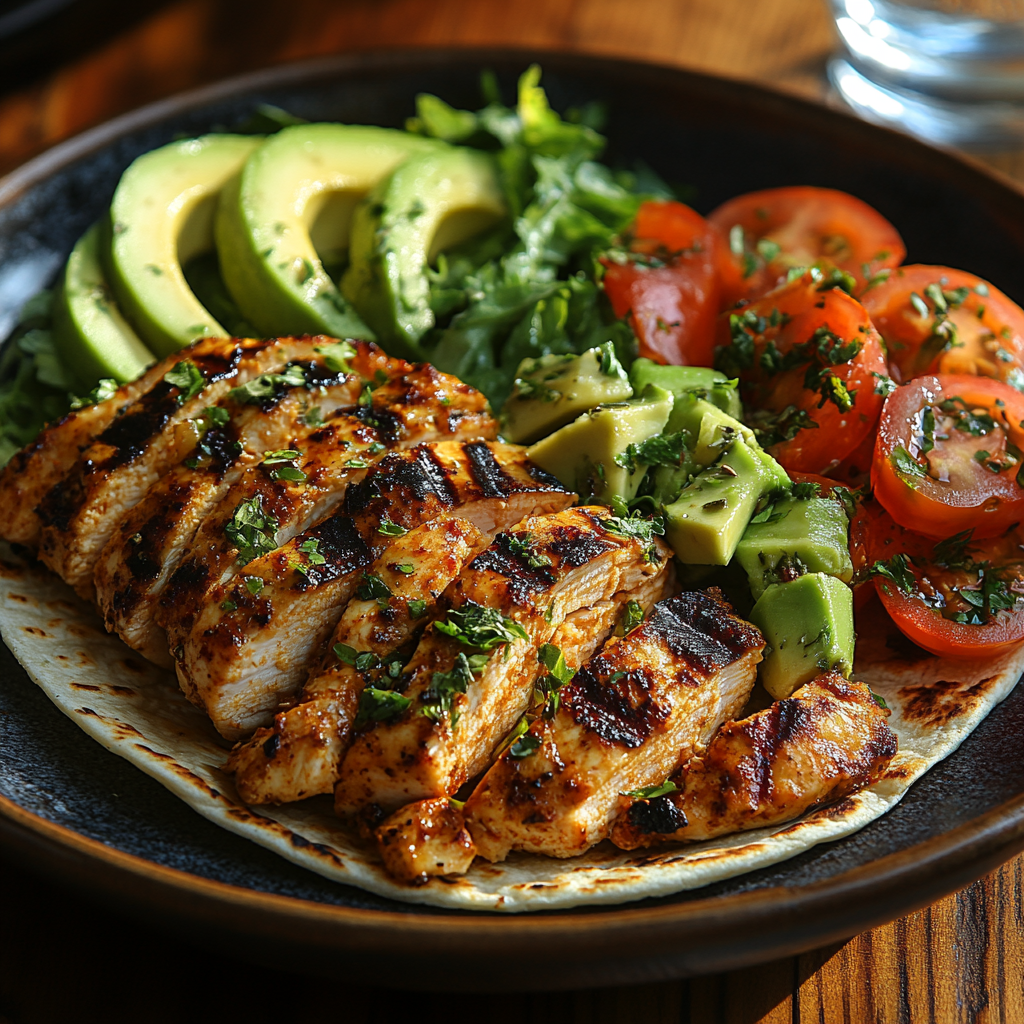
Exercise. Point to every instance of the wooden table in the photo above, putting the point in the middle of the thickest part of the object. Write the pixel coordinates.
(62, 960)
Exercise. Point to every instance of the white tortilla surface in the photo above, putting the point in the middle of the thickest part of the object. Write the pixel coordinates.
(137, 711)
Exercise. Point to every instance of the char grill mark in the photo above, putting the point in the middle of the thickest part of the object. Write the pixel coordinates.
(826, 741)
(623, 712)
(486, 471)
(703, 610)
(506, 560)
(342, 548)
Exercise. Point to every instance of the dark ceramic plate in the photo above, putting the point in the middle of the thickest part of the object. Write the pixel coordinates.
(69, 807)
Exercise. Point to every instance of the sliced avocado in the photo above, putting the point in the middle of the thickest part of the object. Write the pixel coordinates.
(554, 389)
(717, 431)
(429, 202)
(291, 206)
(589, 455)
(93, 339)
(160, 217)
(705, 523)
(808, 626)
(797, 537)
(699, 381)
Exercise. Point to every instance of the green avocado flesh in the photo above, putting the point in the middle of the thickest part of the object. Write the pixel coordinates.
(705, 523)
(808, 626)
(93, 339)
(695, 381)
(160, 217)
(800, 536)
(554, 389)
(428, 203)
(293, 204)
(583, 454)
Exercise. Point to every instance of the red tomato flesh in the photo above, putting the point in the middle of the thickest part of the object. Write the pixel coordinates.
(669, 288)
(960, 598)
(938, 320)
(768, 233)
(948, 454)
(807, 361)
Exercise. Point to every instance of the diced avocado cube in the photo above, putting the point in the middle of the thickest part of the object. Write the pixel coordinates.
(706, 522)
(589, 454)
(797, 537)
(553, 390)
(717, 431)
(699, 381)
(808, 628)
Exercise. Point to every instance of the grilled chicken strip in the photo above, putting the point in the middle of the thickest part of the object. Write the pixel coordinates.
(465, 691)
(827, 740)
(255, 637)
(152, 539)
(422, 405)
(33, 471)
(299, 755)
(625, 721)
(153, 434)
(425, 839)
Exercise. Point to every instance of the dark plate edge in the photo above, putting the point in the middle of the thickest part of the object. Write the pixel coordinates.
(606, 947)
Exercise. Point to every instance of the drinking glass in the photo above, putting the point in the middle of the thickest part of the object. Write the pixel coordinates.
(950, 71)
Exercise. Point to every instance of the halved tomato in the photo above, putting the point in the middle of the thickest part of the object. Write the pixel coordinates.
(959, 598)
(667, 284)
(769, 233)
(948, 456)
(807, 360)
(938, 320)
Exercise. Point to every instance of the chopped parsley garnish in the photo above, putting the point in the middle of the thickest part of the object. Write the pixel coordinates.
(639, 527)
(480, 627)
(416, 608)
(524, 746)
(405, 568)
(373, 588)
(885, 386)
(337, 356)
(660, 450)
(653, 792)
(804, 490)
(897, 569)
(389, 529)
(905, 463)
(879, 700)
(545, 690)
(254, 584)
(268, 385)
(633, 617)
(312, 417)
(106, 388)
(521, 546)
(774, 428)
(187, 378)
(252, 530)
(283, 461)
(439, 697)
(228, 606)
(952, 552)
(379, 706)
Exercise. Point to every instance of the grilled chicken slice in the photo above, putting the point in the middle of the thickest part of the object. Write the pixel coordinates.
(153, 434)
(422, 405)
(647, 701)
(247, 652)
(153, 538)
(465, 691)
(425, 839)
(827, 740)
(299, 755)
(33, 471)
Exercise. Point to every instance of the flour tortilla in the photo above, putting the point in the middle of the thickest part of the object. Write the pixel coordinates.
(137, 711)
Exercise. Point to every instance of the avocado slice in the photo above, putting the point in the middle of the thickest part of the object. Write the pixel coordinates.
(553, 390)
(92, 337)
(589, 455)
(291, 206)
(160, 217)
(698, 381)
(797, 537)
(705, 523)
(808, 626)
(430, 202)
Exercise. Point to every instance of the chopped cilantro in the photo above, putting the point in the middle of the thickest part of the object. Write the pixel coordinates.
(633, 617)
(251, 530)
(897, 569)
(660, 450)
(373, 588)
(653, 792)
(905, 462)
(521, 545)
(254, 584)
(268, 385)
(639, 527)
(390, 529)
(379, 706)
(480, 627)
(524, 746)
(416, 608)
(106, 388)
(439, 697)
(337, 355)
(187, 378)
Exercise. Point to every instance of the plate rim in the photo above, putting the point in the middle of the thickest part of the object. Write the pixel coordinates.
(854, 900)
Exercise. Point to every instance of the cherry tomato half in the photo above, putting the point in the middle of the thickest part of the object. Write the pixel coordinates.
(807, 361)
(667, 284)
(959, 598)
(768, 233)
(948, 455)
(938, 320)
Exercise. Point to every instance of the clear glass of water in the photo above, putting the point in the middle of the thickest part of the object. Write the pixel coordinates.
(950, 71)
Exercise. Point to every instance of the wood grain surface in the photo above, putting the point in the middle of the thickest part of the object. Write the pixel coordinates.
(61, 960)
